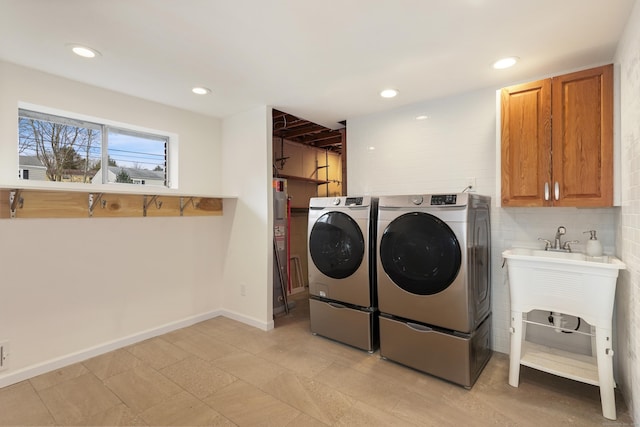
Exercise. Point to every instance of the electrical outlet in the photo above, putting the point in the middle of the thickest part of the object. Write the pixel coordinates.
(243, 290)
(4, 355)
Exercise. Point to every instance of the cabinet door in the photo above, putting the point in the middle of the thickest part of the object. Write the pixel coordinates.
(583, 138)
(526, 144)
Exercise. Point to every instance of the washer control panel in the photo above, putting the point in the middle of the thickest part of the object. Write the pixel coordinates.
(443, 199)
(353, 201)
(417, 200)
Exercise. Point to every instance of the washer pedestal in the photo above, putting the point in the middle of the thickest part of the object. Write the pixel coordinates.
(453, 356)
(350, 325)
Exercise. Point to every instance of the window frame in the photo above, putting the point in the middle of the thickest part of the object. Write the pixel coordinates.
(76, 119)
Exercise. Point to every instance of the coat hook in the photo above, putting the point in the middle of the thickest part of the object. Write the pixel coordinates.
(145, 204)
(15, 201)
(183, 204)
(95, 199)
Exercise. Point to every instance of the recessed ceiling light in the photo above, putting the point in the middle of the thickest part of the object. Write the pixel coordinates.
(200, 90)
(505, 62)
(388, 93)
(84, 51)
(422, 117)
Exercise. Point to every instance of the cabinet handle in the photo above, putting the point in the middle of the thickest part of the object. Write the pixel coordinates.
(556, 190)
(546, 191)
(418, 327)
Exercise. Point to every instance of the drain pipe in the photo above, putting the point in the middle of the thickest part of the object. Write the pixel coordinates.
(557, 321)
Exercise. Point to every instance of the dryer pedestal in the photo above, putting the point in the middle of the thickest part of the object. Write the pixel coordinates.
(350, 325)
(453, 356)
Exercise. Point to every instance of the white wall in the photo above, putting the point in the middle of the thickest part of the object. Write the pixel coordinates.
(199, 136)
(71, 288)
(248, 275)
(439, 154)
(628, 291)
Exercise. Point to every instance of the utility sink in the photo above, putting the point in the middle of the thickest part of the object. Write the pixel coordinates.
(571, 283)
(561, 256)
(566, 282)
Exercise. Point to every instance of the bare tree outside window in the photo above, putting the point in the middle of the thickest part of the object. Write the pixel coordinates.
(55, 148)
(66, 151)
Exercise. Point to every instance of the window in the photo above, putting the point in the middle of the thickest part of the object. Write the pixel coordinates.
(65, 149)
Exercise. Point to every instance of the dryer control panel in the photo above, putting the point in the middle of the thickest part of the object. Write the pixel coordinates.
(353, 201)
(443, 199)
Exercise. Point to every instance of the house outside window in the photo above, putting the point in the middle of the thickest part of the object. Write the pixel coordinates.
(66, 149)
(30, 167)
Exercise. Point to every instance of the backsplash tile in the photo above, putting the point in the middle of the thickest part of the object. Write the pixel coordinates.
(627, 317)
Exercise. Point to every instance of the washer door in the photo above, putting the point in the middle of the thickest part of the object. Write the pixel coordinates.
(336, 245)
(420, 253)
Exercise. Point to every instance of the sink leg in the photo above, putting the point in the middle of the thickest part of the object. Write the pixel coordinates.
(604, 358)
(516, 348)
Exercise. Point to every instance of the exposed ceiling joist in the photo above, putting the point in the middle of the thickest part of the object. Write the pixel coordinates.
(294, 131)
(292, 128)
(334, 142)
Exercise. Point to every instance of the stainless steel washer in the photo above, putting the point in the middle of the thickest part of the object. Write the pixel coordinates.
(341, 239)
(433, 263)
(433, 280)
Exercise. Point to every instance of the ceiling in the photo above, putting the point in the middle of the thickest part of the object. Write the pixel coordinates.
(324, 61)
(292, 128)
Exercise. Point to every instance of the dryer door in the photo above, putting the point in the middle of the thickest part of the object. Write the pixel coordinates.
(336, 245)
(420, 253)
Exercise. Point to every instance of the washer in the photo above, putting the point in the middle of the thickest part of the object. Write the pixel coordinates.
(341, 239)
(433, 265)
(433, 281)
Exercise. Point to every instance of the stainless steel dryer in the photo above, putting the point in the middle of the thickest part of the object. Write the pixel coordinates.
(341, 239)
(433, 281)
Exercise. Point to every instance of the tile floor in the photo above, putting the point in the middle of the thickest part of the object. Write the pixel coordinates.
(224, 373)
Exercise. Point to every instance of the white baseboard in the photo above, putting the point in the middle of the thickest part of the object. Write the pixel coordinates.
(69, 359)
(251, 321)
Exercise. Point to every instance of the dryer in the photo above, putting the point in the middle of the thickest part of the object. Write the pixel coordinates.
(433, 282)
(341, 251)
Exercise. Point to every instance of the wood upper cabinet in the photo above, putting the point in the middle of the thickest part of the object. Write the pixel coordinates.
(557, 141)
(526, 143)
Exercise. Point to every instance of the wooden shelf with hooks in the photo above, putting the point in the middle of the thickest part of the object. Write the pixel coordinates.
(54, 203)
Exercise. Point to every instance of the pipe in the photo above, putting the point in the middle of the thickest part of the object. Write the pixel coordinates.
(557, 321)
(289, 243)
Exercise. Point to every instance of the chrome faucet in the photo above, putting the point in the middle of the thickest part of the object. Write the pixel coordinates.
(557, 244)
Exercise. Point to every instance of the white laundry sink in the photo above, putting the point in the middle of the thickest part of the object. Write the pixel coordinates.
(565, 282)
(560, 255)
(570, 283)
